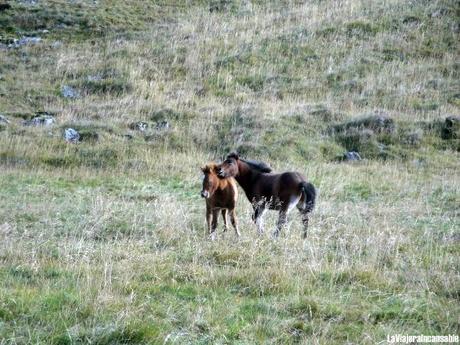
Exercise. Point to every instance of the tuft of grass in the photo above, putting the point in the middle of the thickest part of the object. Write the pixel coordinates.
(360, 29)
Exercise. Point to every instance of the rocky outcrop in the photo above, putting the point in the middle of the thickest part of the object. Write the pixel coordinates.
(40, 119)
(71, 135)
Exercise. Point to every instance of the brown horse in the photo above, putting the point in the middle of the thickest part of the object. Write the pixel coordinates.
(265, 189)
(221, 195)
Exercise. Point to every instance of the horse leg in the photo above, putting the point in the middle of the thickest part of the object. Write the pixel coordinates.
(234, 222)
(215, 215)
(259, 211)
(224, 215)
(305, 215)
(208, 218)
(282, 219)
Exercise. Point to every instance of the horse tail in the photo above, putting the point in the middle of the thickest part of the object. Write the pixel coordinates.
(309, 196)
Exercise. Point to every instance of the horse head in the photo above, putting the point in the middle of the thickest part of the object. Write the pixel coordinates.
(210, 180)
(229, 167)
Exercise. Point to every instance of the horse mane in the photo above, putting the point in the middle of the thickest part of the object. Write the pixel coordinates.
(209, 168)
(257, 165)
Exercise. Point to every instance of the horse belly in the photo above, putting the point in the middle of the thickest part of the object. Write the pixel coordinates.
(287, 191)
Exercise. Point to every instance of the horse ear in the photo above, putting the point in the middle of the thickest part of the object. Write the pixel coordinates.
(205, 169)
(234, 155)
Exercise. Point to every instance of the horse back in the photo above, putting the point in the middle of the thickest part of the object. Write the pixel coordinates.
(279, 188)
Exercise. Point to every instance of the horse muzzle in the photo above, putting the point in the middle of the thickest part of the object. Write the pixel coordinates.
(204, 194)
(221, 173)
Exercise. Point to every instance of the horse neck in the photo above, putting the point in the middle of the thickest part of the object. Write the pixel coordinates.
(245, 176)
(221, 183)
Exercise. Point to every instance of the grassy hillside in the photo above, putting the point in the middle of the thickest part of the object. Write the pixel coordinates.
(103, 241)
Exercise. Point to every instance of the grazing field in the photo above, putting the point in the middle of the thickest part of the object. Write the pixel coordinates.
(102, 236)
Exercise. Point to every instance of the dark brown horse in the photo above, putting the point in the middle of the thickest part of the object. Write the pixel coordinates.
(221, 195)
(265, 189)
